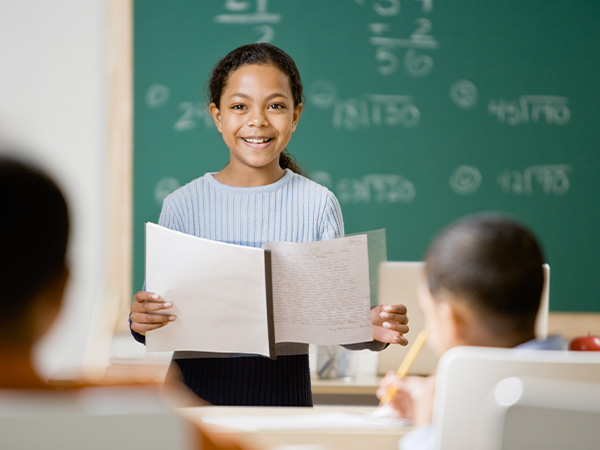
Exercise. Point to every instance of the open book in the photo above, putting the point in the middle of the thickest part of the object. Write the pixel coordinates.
(237, 299)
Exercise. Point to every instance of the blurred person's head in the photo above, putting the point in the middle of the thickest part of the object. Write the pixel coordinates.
(33, 241)
(483, 283)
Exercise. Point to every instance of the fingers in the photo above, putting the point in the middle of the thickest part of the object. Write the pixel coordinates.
(396, 313)
(397, 309)
(401, 401)
(395, 319)
(142, 323)
(395, 326)
(145, 315)
(401, 340)
(386, 383)
(390, 323)
(382, 334)
(143, 296)
(144, 302)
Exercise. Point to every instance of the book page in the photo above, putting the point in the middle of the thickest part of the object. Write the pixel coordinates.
(218, 293)
(321, 291)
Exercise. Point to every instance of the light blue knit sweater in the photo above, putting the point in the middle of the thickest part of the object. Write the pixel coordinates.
(293, 209)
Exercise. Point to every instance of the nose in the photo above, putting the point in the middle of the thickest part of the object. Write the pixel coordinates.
(257, 118)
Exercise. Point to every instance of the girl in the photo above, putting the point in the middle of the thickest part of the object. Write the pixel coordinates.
(260, 195)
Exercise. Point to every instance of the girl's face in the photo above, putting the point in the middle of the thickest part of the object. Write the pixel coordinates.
(256, 118)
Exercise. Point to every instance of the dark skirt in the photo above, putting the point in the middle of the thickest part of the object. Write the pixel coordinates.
(248, 381)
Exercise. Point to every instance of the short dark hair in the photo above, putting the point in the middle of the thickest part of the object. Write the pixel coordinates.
(494, 263)
(33, 233)
(261, 53)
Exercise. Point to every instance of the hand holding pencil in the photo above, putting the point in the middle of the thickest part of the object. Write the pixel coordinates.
(408, 360)
(407, 397)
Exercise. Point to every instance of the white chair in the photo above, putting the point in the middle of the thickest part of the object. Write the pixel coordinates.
(92, 419)
(467, 375)
(529, 413)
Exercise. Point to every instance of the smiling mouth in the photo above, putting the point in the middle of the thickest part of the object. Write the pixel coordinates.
(257, 141)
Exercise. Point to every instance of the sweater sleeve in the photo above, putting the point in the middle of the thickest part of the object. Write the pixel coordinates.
(170, 214)
(137, 336)
(332, 225)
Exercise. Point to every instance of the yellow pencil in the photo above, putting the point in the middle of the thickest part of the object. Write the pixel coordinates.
(410, 357)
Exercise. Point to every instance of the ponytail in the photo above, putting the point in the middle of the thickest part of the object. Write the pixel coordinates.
(287, 161)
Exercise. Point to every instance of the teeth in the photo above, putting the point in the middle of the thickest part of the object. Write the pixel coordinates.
(257, 141)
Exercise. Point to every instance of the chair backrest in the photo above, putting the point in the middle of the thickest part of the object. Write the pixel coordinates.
(91, 419)
(524, 413)
(467, 375)
(398, 283)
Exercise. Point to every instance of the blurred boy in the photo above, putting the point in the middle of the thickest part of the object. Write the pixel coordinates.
(33, 274)
(482, 286)
(33, 271)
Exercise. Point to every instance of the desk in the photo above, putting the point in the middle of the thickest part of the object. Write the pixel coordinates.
(321, 439)
(341, 391)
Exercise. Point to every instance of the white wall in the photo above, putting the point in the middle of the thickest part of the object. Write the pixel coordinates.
(53, 97)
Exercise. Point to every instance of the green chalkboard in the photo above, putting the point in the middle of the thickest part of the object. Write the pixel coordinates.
(417, 112)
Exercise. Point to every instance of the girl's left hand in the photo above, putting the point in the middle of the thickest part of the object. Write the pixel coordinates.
(390, 324)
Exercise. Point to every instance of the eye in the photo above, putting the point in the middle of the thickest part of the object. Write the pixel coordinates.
(238, 106)
(277, 106)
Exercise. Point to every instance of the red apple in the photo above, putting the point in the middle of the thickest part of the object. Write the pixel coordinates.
(585, 343)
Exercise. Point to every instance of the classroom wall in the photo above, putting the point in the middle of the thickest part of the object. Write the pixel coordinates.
(53, 91)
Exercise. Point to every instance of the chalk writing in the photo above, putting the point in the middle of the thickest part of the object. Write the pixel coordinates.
(392, 7)
(376, 110)
(387, 7)
(427, 5)
(552, 179)
(157, 95)
(240, 12)
(465, 180)
(191, 113)
(245, 12)
(415, 63)
(369, 110)
(464, 94)
(530, 109)
(370, 188)
(322, 94)
(389, 110)
(268, 33)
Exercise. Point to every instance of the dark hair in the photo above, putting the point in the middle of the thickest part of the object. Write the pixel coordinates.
(33, 234)
(260, 53)
(493, 263)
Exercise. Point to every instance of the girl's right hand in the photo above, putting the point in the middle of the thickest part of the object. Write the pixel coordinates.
(145, 303)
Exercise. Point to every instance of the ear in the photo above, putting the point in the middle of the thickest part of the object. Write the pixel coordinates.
(216, 115)
(456, 320)
(297, 114)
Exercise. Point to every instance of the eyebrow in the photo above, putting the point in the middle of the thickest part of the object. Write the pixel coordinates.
(269, 97)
